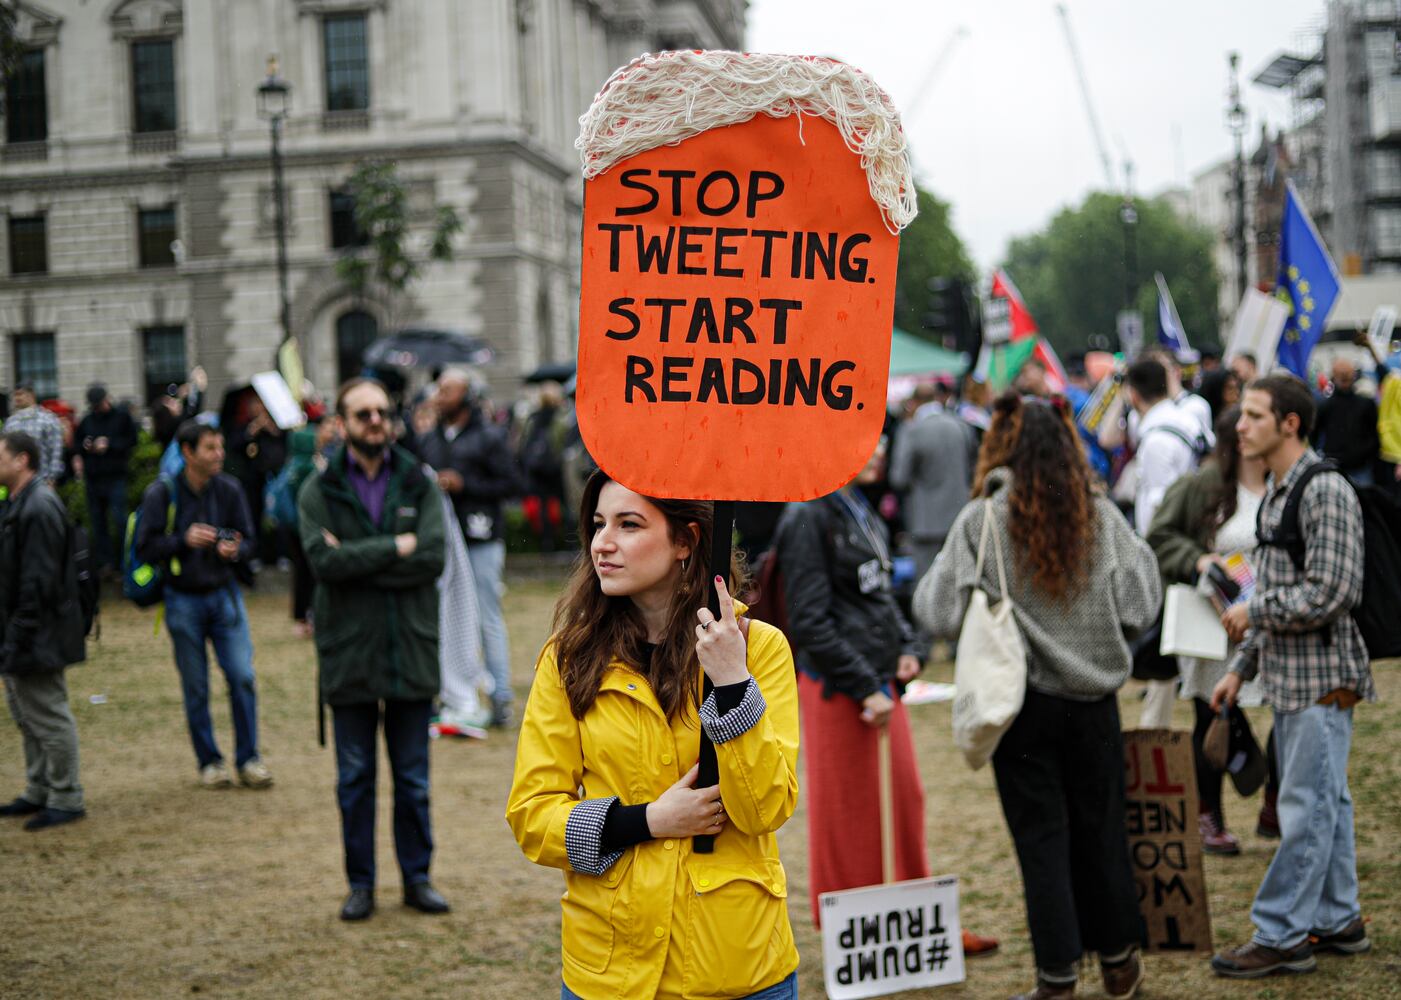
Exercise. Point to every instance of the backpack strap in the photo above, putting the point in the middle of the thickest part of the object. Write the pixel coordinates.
(1198, 446)
(1288, 535)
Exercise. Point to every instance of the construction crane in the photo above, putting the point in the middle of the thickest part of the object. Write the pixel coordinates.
(1085, 94)
(936, 68)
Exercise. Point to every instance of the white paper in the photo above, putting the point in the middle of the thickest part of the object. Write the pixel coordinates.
(1260, 321)
(1191, 625)
(1379, 332)
(885, 939)
(272, 389)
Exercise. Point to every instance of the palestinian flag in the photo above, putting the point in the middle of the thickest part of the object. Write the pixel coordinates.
(1007, 322)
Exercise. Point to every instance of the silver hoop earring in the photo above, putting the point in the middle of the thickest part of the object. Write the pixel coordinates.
(683, 564)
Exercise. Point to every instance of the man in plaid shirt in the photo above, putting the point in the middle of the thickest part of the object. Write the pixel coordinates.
(46, 430)
(1297, 633)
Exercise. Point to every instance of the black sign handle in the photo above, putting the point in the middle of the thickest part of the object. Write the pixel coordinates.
(720, 552)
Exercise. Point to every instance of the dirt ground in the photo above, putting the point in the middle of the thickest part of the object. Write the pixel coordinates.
(168, 890)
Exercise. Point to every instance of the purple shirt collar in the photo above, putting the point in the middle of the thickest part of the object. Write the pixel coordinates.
(370, 491)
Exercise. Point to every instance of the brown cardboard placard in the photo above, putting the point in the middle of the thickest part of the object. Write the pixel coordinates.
(1165, 846)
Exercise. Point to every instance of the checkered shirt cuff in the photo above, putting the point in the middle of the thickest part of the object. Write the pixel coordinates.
(738, 720)
(583, 837)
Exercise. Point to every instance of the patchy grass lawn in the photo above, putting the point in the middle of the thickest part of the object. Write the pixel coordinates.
(167, 890)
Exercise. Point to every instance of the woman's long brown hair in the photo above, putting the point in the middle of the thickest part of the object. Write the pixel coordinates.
(591, 629)
(1051, 507)
(1221, 506)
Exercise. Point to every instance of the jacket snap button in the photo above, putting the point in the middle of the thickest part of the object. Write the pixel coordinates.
(657, 931)
(632, 687)
(704, 882)
(666, 758)
(776, 887)
(669, 844)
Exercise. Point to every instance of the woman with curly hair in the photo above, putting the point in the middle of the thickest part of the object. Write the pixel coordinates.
(1080, 580)
(605, 786)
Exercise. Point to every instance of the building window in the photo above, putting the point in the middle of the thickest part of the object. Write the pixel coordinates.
(26, 107)
(37, 363)
(354, 332)
(153, 85)
(347, 56)
(29, 252)
(345, 231)
(156, 233)
(163, 359)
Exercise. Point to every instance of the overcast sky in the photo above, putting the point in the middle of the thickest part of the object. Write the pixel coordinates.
(1002, 133)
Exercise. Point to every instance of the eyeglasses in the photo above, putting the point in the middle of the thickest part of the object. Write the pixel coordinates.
(364, 416)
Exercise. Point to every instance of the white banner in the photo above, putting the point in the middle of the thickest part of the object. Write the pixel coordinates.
(884, 939)
(277, 397)
(1379, 332)
(1259, 322)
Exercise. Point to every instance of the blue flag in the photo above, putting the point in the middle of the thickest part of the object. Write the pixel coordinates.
(1308, 283)
(1170, 332)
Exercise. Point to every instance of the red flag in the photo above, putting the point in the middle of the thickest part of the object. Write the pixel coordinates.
(1017, 325)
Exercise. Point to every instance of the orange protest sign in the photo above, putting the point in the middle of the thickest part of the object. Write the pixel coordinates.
(735, 314)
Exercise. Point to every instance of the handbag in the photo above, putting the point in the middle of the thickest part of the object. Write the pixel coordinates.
(990, 667)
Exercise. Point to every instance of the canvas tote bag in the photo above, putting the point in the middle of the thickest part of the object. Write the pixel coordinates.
(990, 669)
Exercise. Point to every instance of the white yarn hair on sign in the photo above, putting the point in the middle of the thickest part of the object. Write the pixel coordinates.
(664, 99)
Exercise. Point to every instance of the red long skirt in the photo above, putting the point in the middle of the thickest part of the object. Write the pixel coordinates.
(842, 792)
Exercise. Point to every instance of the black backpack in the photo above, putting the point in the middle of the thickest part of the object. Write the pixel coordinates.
(84, 568)
(1376, 614)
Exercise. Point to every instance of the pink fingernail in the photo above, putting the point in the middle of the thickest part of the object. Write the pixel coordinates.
(718, 580)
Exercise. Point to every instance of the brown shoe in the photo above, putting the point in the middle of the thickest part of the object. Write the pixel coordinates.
(1048, 991)
(1122, 981)
(1351, 940)
(976, 945)
(1253, 960)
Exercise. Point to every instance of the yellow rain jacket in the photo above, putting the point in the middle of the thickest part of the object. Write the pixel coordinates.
(662, 921)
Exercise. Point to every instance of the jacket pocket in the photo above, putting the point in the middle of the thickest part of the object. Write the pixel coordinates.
(739, 938)
(588, 915)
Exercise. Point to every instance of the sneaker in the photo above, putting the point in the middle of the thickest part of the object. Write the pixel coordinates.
(1253, 960)
(20, 807)
(975, 945)
(1122, 979)
(215, 775)
(1215, 838)
(1351, 940)
(1267, 825)
(1049, 991)
(54, 817)
(255, 774)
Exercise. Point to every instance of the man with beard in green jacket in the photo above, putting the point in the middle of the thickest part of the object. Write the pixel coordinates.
(372, 528)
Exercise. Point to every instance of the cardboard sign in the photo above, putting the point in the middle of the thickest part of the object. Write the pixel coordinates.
(887, 938)
(735, 314)
(1164, 844)
(1379, 330)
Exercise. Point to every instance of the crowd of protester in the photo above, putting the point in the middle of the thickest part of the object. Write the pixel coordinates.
(1129, 478)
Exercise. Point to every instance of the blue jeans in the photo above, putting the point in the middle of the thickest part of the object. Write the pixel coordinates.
(406, 741)
(488, 561)
(218, 617)
(786, 990)
(1311, 884)
(107, 502)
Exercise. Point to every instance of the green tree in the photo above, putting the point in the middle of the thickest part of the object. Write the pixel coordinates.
(382, 215)
(929, 248)
(1072, 273)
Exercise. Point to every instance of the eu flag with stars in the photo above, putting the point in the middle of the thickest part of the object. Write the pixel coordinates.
(1307, 283)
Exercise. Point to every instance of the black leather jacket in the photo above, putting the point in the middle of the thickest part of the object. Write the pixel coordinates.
(480, 455)
(41, 620)
(843, 621)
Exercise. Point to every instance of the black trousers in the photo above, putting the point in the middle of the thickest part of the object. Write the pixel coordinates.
(1060, 775)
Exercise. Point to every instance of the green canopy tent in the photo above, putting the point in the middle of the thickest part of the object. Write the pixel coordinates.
(914, 356)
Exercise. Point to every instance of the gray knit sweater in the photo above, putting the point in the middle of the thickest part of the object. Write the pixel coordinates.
(1075, 649)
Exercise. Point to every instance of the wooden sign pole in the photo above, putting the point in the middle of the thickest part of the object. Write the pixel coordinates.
(720, 555)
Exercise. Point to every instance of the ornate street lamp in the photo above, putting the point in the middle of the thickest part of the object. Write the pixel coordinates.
(273, 101)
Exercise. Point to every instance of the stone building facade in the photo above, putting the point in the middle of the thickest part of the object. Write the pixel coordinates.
(136, 183)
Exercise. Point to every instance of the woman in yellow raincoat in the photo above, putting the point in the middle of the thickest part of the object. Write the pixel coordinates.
(605, 780)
